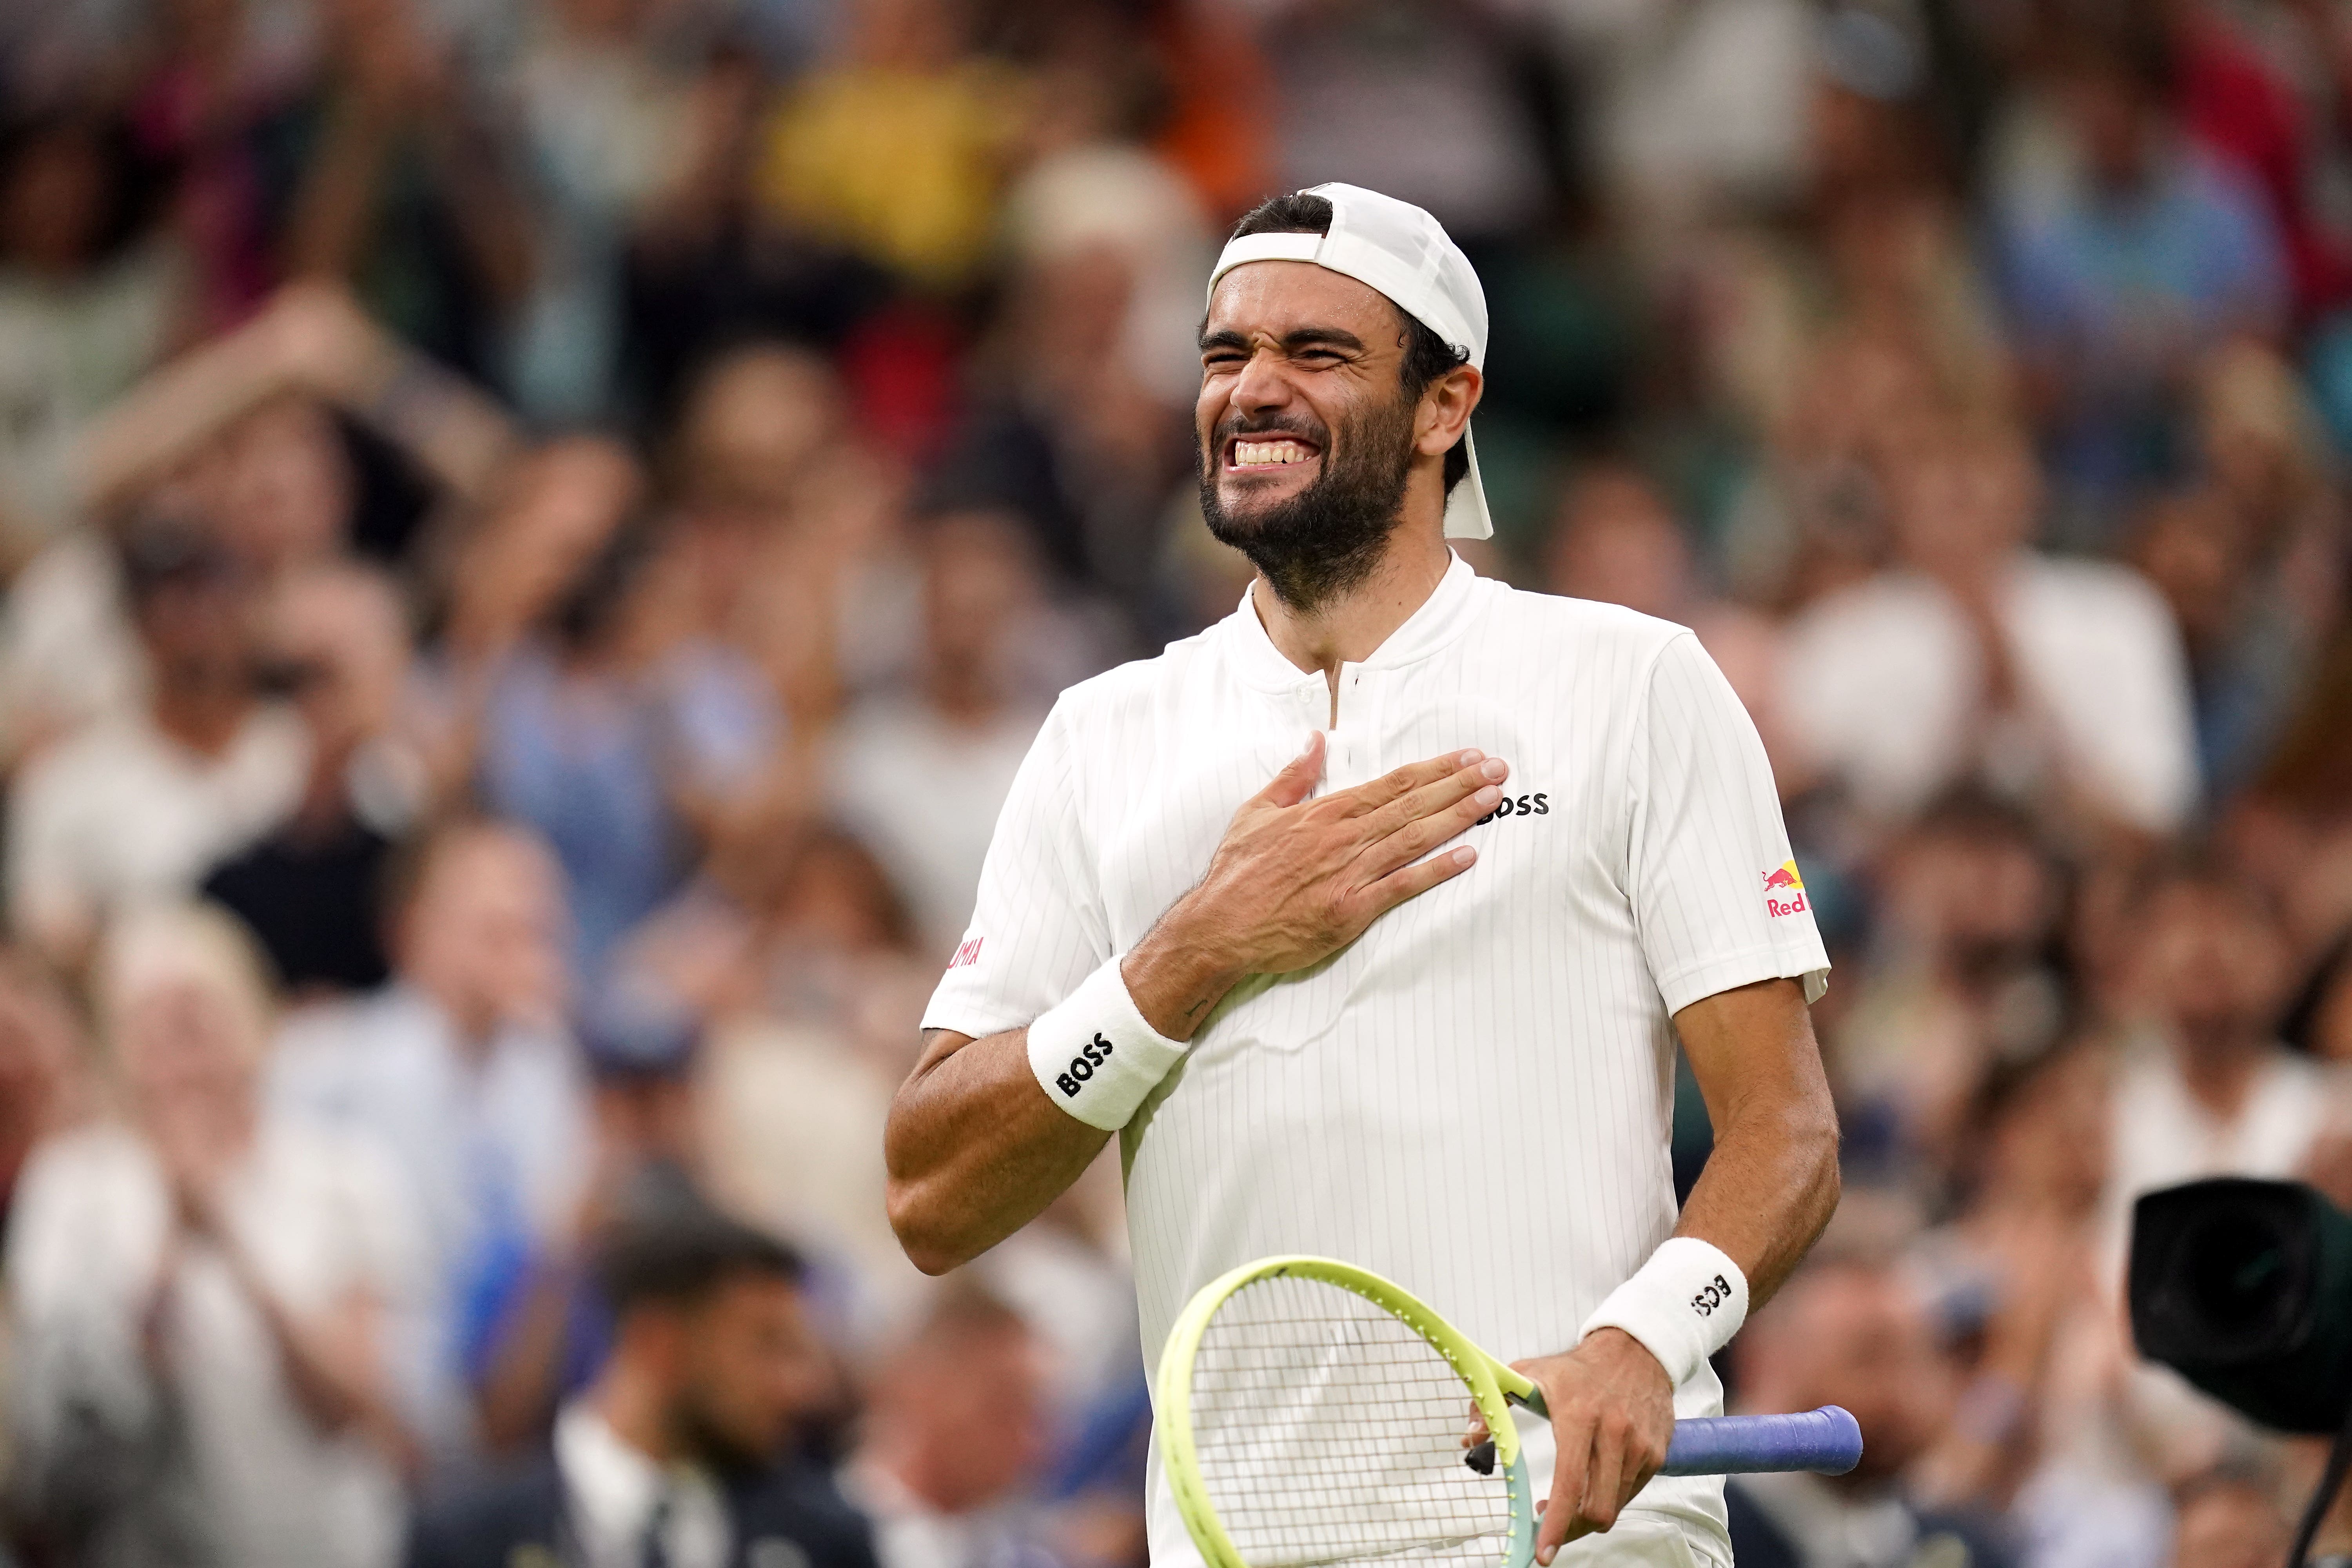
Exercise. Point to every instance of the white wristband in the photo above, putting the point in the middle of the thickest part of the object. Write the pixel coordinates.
(1094, 1056)
(1683, 1305)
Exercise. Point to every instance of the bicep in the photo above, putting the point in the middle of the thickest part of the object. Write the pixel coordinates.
(1751, 1049)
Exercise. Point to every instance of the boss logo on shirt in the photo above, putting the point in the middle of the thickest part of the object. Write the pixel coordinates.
(1784, 890)
(1524, 805)
(1082, 1066)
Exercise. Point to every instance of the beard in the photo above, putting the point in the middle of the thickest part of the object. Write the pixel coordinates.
(1316, 545)
(704, 1435)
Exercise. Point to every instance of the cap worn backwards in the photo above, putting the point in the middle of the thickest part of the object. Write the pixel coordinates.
(1406, 254)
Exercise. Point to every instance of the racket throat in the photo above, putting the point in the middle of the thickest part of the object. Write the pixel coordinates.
(1481, 1456)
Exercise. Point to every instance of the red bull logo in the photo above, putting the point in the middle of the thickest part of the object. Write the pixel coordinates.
(1784, 890)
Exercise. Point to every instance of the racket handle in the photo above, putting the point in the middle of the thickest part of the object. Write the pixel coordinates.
(1827, 1440)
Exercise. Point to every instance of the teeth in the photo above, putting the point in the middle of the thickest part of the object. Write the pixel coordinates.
(1252, 454)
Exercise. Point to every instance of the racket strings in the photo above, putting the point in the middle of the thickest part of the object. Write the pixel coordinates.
(1329, 1432)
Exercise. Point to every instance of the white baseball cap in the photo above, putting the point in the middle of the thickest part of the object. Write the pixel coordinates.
(1405, 254)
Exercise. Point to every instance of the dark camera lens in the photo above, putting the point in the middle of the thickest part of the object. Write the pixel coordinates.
(2235, 1272)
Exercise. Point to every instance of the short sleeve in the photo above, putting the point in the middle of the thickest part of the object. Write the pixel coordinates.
(1038, 927)
(1718, 898)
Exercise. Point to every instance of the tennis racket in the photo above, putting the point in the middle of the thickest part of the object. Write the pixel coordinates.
(1311, 1413)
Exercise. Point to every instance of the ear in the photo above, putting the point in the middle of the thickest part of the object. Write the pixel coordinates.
(1445, 408)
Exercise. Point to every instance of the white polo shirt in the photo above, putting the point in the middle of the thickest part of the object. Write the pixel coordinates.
(1473, 1098)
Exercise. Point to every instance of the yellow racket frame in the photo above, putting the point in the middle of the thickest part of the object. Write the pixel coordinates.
(1491, 1385)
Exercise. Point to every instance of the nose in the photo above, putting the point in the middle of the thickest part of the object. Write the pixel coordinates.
(1261, 385)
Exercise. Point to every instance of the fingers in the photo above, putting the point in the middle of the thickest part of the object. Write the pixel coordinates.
(1415, 838)
(1597, 1508)
(1298, 777)
(1570, 1462)
(1393, 787)
(1439, 795)
(1398, 886)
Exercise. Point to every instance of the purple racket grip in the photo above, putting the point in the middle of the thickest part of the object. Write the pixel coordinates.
(1827, 1440)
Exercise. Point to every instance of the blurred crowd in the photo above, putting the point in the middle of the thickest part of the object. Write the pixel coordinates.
(536, 532)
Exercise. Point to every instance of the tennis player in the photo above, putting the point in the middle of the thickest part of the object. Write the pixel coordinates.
(1368, 918)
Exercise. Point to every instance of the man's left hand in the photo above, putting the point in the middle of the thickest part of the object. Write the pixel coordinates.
(1612, 1412)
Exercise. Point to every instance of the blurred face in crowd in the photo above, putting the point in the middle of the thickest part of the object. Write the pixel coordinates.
(1617, 542)
(338, 638)
(979, 578)
(747, 1365)
(1981, 899)
(2216, 966)
(1306, 434)
(284, 485)
(755, 418)
(2049, 1143)
(966, 1404)
(2229, 1524)
(186, 1020)
(195, 618)
(53, 200)
(1963, 506)
(1858, 1336)
(483, 934)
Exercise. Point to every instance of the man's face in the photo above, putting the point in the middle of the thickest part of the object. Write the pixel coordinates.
(977, 1407)
(1306, 432)
(749, 1367)
(485, 935)
(2217, 964)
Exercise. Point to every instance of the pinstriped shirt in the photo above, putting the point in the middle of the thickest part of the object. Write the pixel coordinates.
(1474, 1097)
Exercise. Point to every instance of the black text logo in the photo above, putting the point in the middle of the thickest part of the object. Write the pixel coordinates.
(1717, 1291)
(1525, 806)
(1082, 1066)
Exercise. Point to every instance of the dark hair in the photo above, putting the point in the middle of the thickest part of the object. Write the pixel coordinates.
(670, 1259)
(1427, 356)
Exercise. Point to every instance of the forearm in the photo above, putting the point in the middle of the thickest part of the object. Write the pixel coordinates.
(975, 1150)
(1772, 1183)
(1767, 1191)
(976, 1146)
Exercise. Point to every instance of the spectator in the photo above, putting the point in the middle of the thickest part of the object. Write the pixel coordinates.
(625, 755)
(955, 1428)
(1422, 101)
(310, 891)
(2043, 1427)
(207, 1293)
(1855, 1335)
(461, 1069)
(88, 300)
(42, 1070)
(402, 191)
(895, 150)
(2210, 1091)
(1966, 982)
(2143, 254)
(140, 806)
(2061, 683)
(679, 1452)
(607, 124)
(966, 718)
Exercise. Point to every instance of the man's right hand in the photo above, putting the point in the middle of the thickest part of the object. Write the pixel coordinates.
(1297, 878)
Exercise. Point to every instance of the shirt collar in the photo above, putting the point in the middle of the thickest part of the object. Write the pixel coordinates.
(1440, 617)
(613, 1488)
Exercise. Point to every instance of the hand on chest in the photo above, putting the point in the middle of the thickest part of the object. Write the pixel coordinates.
(1154, 845)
